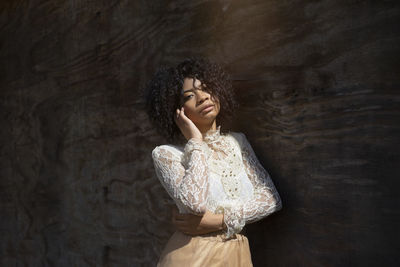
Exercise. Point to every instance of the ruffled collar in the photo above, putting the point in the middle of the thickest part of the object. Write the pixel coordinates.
(212, 135)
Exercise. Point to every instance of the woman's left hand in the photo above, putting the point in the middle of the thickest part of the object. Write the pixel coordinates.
(191, 224)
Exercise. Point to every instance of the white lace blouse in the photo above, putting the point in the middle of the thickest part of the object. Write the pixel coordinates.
(220, 174)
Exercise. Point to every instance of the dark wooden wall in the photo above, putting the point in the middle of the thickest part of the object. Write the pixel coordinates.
(318, 85)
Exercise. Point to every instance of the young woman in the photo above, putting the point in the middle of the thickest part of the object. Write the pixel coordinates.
(214, 177)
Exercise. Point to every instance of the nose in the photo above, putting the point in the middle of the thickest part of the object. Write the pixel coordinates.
(202, 97)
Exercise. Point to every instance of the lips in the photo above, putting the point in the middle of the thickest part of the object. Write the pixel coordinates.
(207, 108)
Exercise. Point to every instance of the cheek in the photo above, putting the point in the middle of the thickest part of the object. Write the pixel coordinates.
(189, 110)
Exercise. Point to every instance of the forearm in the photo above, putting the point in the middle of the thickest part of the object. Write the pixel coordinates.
(212, 221)
(265, 199)
(261, 206)
(193, 187)
(237, 214)
(198, 224)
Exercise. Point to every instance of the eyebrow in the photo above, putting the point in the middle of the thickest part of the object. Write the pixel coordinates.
(192, 89)
(188, 90)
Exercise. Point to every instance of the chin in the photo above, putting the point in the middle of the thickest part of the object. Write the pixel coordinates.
(212, 113)
(208, 118)
(205, 119)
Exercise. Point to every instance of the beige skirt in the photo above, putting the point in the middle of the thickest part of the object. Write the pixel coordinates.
(206, 250)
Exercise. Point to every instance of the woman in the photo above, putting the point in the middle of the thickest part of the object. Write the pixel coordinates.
(215, 179)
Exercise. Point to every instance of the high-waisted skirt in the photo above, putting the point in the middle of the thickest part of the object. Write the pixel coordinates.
(206, 250)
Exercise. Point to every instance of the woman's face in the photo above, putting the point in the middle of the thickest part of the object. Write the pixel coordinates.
(200, 107)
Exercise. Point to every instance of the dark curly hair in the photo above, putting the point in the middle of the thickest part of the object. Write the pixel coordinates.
(163, 93)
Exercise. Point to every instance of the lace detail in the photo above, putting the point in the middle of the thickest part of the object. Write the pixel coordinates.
(193, 174)
(228, 167)
(212, 135)
(265, 199)
(192, 145)
(185, 180)
(233, 218)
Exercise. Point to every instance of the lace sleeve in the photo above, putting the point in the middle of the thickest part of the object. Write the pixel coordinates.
(265, 199)
(185, 180)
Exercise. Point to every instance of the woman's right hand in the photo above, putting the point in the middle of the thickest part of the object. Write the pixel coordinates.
(187, 127)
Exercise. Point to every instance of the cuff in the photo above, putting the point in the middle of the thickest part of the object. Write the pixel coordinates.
(233, 219)
(194, 144)
(191, 146)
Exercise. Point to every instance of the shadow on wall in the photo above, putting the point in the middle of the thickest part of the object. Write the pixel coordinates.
(317, 86)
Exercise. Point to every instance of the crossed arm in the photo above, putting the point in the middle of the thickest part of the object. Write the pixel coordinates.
(189, 185)
(191, 224)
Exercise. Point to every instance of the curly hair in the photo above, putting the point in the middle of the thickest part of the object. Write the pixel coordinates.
(163, 93)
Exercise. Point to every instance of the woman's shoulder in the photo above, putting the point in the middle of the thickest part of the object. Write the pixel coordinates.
(238, 137)
(167, 150)
(237, 134)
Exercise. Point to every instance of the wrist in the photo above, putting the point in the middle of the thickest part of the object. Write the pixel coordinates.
(222, 225)
(197, 136)
(195, 140)
(212, 221)
(219, 221)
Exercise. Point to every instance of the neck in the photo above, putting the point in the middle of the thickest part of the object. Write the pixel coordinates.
(206, 127)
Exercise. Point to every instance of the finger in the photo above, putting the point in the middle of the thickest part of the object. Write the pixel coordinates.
(185, 229)
(183, 113)
(180, 117)
(183, 118)
(176, 117)
(173, 212)
(181, 224)
(181, 217)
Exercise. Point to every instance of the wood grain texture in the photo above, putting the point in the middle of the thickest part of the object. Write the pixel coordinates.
(318, 85)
